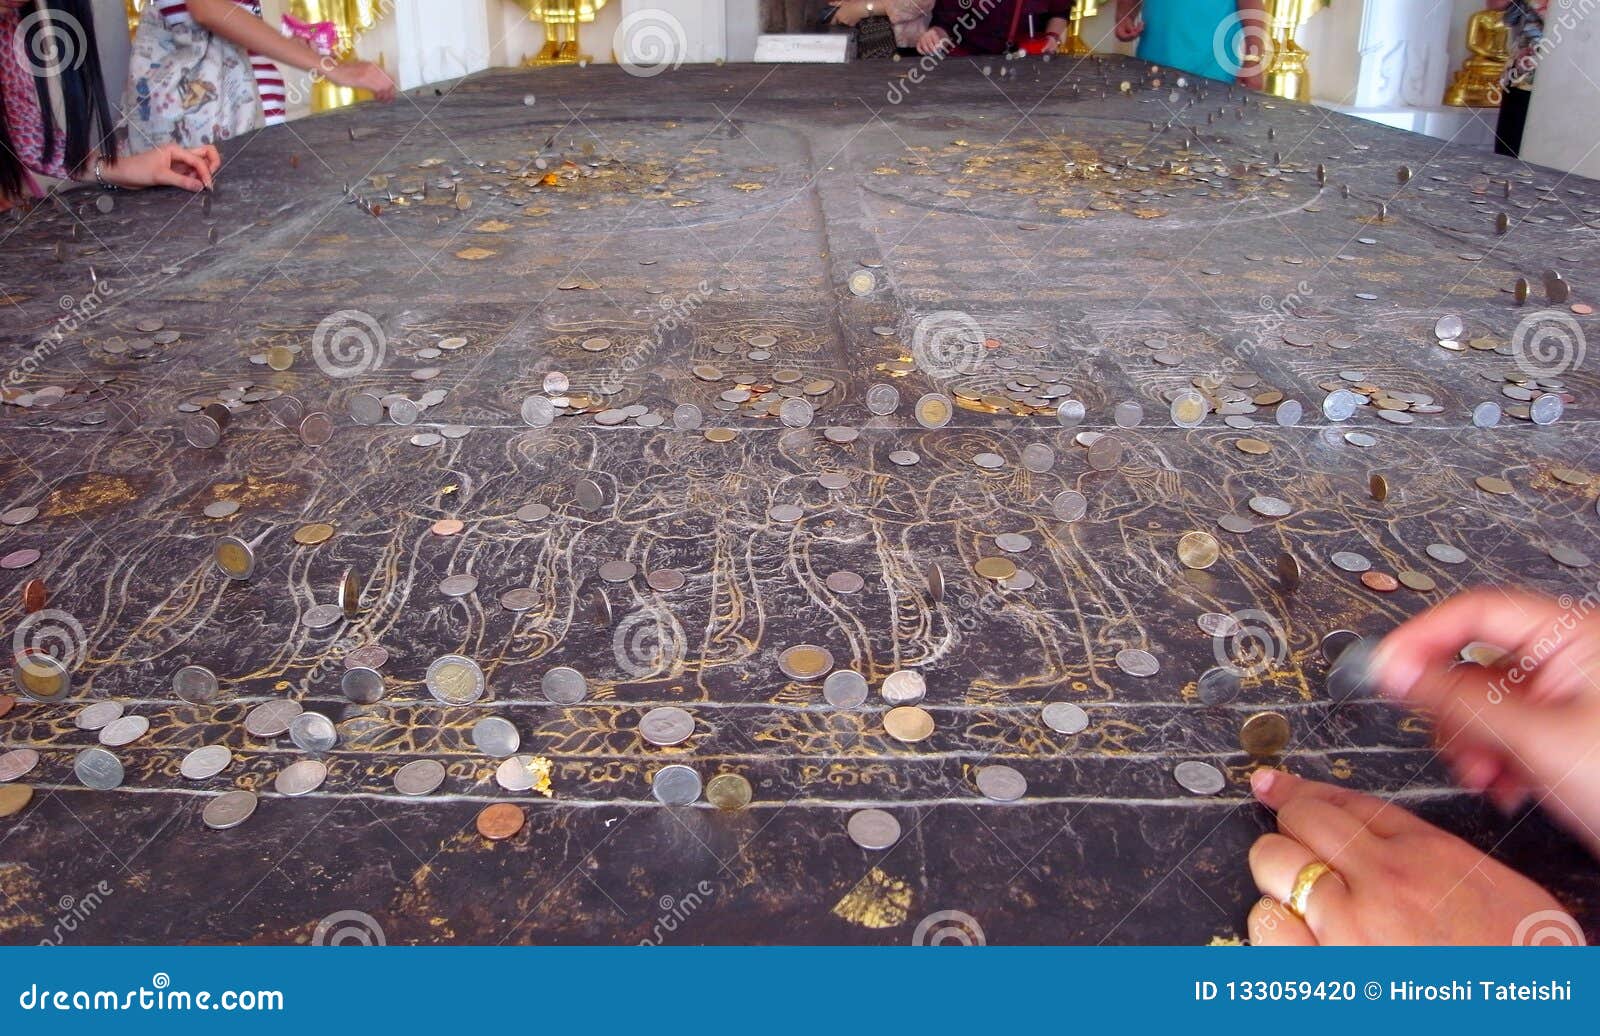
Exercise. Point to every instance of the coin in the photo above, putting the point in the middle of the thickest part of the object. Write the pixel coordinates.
(1064, 717)
(496, 737)
(589, 495)
(1218, 685)
(1289, 573)
(1491, 484)
(313, 732)
(995, 568)
(675, 785)
(300, 778)
(124, 730)
(96, 716)
(19, 516)
(1340, 405)
(1038, 458)
(350, 594)
(1254, 447)
(1013, 542)
(316, 429)
(908, 723)
(1199, 778)
(845, 582)
(1269, 506)
(206, 762)
(229, 810)
(271, 718)
(873, 829)
(903, 687)
(1421, 582)
(458, 585)
(665, 580)
(518, 773)
(1562, 554)
(844, 689)
(1289, 413)
(40, 676)
(728, 791)
(1350, 675)
(1336, 643)
(795, 413)
(366, 408)
(1188, 409)
(1349, 561)
(1486, 415)
(1069, 412)
(666, 725)
(1137, 662)
(883, 400)
(1105, 453)
(618, 571)
(1546, 409)
(1265, 734)
(862, 282)
(1378, 486)
(455, 680)
(17, 763)
(1198, 550)
(321, 616)
(7, 703)
(1381, 582)
(805, 661)
(533, 513)
(500, 821)
(14, 798)
(98, 769)
(564, 685)
(905, 458)
(1069, 505)
(934, 410)
(686, 417)
(310, 535)
(221, 508)
(1001, 783)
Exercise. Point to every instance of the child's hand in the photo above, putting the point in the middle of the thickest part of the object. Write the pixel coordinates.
(934, 41)
(168, 165)
(363, 75)
(1130, 20)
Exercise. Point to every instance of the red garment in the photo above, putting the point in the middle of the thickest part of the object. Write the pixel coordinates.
(24, 118)
(983, 26)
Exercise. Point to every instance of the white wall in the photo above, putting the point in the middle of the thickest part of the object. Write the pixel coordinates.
(1563, 131)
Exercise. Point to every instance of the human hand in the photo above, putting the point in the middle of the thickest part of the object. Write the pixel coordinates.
(363, 75)
(166, 165)
(1130, 20)
(934, 41)
(1397, 880)
(1528, 726)
(848, 12)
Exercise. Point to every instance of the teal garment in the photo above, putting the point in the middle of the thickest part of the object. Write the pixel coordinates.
(1183, 34)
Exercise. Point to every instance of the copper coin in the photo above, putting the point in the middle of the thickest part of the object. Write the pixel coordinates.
(448, 527)
(1265, 734)
(1382, 582)
(7, 703)
(500, 821)
(34, 595)
(1490, 484)
(1379, 487)
(1583, 309)
(14, 798)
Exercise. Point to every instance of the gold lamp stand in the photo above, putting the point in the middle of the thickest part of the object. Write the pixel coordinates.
(561, 19)
(1074, 45)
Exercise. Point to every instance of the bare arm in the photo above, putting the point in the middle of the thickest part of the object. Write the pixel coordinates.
(232, 22)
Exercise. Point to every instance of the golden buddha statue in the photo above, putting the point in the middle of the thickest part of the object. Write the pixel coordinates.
(1074, 44)
(561, 19)
(1477, 84)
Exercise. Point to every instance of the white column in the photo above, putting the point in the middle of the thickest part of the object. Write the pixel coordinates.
(1561, 131)
(440, 39)
(1405, 54)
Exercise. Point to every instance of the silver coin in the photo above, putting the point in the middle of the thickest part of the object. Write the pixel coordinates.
(458, 585)
(496, 737)
(841, 435)
(564, 685)
(455, 680)
(905, 458)
(1269, 506)
(1571, 557)
(313, 732)
(1038, 458)
(538, 411)
(845, 689)
(1340, 405)
(883, 400)
(229, 810)
(795, 413)
(1013, 542)
(665, 580)
(17, 763)
(1069, 413)
(873, 829)
(419, 777)
(1069, 505)
(1127, 414)
(1334, 644)
(989, 461)
(1486, 415)
(532, 513)
(1350, 676)
(1361, 439)
(362, 684)
(1217, 624)
(124, 730)
(316, 429)
(519, 773)
(426, 439)
(556, 383)
(520, 599)
(589, 495)
(618, 571)
(221, 508)
(1546, 409)
(1350, 561)
(785, 513)
(301, 778)
(1199, 778)
(1218, 686)
(845, 582)
(201, 431)
(367, 656)
(675, 785)
(98, 769)
(1065, 718)
(19, 516)
(271, 718)
(366, 408)
(903, 687)
(833, 481)
(686, 417)
(1289, 413)
(1446, 554)
(666, 725)
(99, 714)
(204, 763)
(1105, 453)
(1449, 326)
(321, 616)
(1001, 783)
(1137, 662)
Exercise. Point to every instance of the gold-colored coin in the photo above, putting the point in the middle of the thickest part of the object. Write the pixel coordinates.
(1421, 582)
(720, 434)
(350, 593)
(908, 723)
(1254, 447)
(706, 372)
(1198, 550)
(280, 357)
(1378, 486)
(41, 676)
(1265, 734)
(728, 791)
(14, 798)
(1497, 486)
(1269, 398)
(995, 568)
(311, 535)
(1571, 476)
(233, 557)
(805, 661)
(933, 411)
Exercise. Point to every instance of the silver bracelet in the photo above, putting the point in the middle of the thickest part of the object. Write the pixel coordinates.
(100, 179)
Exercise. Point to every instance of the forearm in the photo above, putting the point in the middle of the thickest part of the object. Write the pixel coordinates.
(232, 22)
(1253, 14)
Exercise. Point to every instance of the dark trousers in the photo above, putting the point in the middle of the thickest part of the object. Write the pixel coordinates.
(1513, 116)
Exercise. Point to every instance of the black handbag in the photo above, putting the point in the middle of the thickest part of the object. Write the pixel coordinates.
(875, 37)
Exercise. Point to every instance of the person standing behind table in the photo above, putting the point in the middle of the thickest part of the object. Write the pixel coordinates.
(908, 17)
(961, 28)
(202, 71)
(1184, 34)
(55, 121)
(1525, 19)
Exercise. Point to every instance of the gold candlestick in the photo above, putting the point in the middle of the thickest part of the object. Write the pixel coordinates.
(1477, 84)
(561, 19)
(1287, 74)
(1074, 45)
